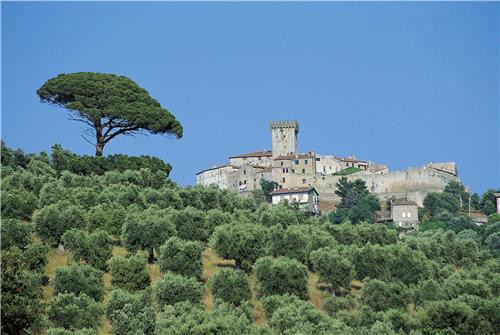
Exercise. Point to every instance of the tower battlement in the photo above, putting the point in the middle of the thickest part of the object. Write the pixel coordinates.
(284, 137)
(284, 124)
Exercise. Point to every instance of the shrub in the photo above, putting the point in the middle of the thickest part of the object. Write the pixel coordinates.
(231, 286)
(173, 288)
(79, 279)
(281, 275)
(182, 257)
(18, 204)
(129, 273)
(69, 311)
(14, 233)
(53, 220)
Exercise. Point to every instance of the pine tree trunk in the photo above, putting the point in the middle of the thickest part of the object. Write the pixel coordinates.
(99, 147)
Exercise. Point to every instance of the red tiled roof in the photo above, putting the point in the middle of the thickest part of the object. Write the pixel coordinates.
(293, 156)
(267, 153)
(293, 190)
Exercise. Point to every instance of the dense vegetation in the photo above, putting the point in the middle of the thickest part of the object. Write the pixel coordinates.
(139, 255)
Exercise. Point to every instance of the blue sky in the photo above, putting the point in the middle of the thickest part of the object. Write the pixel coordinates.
(397, 83)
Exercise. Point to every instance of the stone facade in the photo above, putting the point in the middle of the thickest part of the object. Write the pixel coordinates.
(290, 169)
(404, 213)
(284, 137)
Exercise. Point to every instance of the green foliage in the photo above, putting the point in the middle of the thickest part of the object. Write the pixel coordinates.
(14, 233)
(216, 217)
(231, 286)
(64, 160)
(487, 204)
(281, 275)
(110, 105)
(72, 312)
(35, 256)
(333, 268)
(53, 220)
(18, 204)
(79, 279)
(131, 313)
(290, 315)
(173, 288)
(182, 257)
(437, 202)
(333, 305)
(381, 296)
(446, 315)
(94, 248)
(281, 214)
(129, 273)
(190, 224)
(267, 187)
(185, 318)
(147, 230)
(62, 331)
(242, 242)
(347, 171)
(22, 308)
(289, 242)
(356, 203)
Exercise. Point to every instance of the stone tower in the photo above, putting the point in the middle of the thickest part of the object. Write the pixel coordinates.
(284, 135)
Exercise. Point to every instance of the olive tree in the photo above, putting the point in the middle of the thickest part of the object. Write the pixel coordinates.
(281, 275)
(182, 257)
(242, 242)
(231, 286)
(173, 288)
(129, 273)
(333, 268)
(79, 279)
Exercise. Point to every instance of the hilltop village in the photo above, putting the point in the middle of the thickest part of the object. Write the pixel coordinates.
(313, 177)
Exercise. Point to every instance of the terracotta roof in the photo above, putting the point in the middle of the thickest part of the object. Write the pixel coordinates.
(217, 167)
(354, 160)
(293, 156)
(293, 190)
(403, 202)
(267, 153)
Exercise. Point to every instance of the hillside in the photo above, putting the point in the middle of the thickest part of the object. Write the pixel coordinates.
(127, 251)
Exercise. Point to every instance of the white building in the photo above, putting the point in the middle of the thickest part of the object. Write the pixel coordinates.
(305, 197)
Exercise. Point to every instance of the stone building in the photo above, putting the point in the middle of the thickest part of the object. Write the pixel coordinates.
(497, 198)
(404, 213)
(284, 137)
(289, 168)
(305, 197)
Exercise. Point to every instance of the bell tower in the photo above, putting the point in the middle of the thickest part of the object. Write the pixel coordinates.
(284, 137)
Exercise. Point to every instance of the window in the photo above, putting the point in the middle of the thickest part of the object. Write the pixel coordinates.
(404, 214)
(254, 180)
(296, 162)
(244, 171)
(281, 163)
(305, 161)
(293, 170)
(303, 170)
(304, 181)
(244, 182)
(409, 214)
(283, 179)
(239, 182)
(283, 170)
(318, 159)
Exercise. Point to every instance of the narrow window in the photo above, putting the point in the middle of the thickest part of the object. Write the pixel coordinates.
(281, 163)
(409, 214)
(305, 161)
(303, 170)
(404, 214)
(283, 179)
